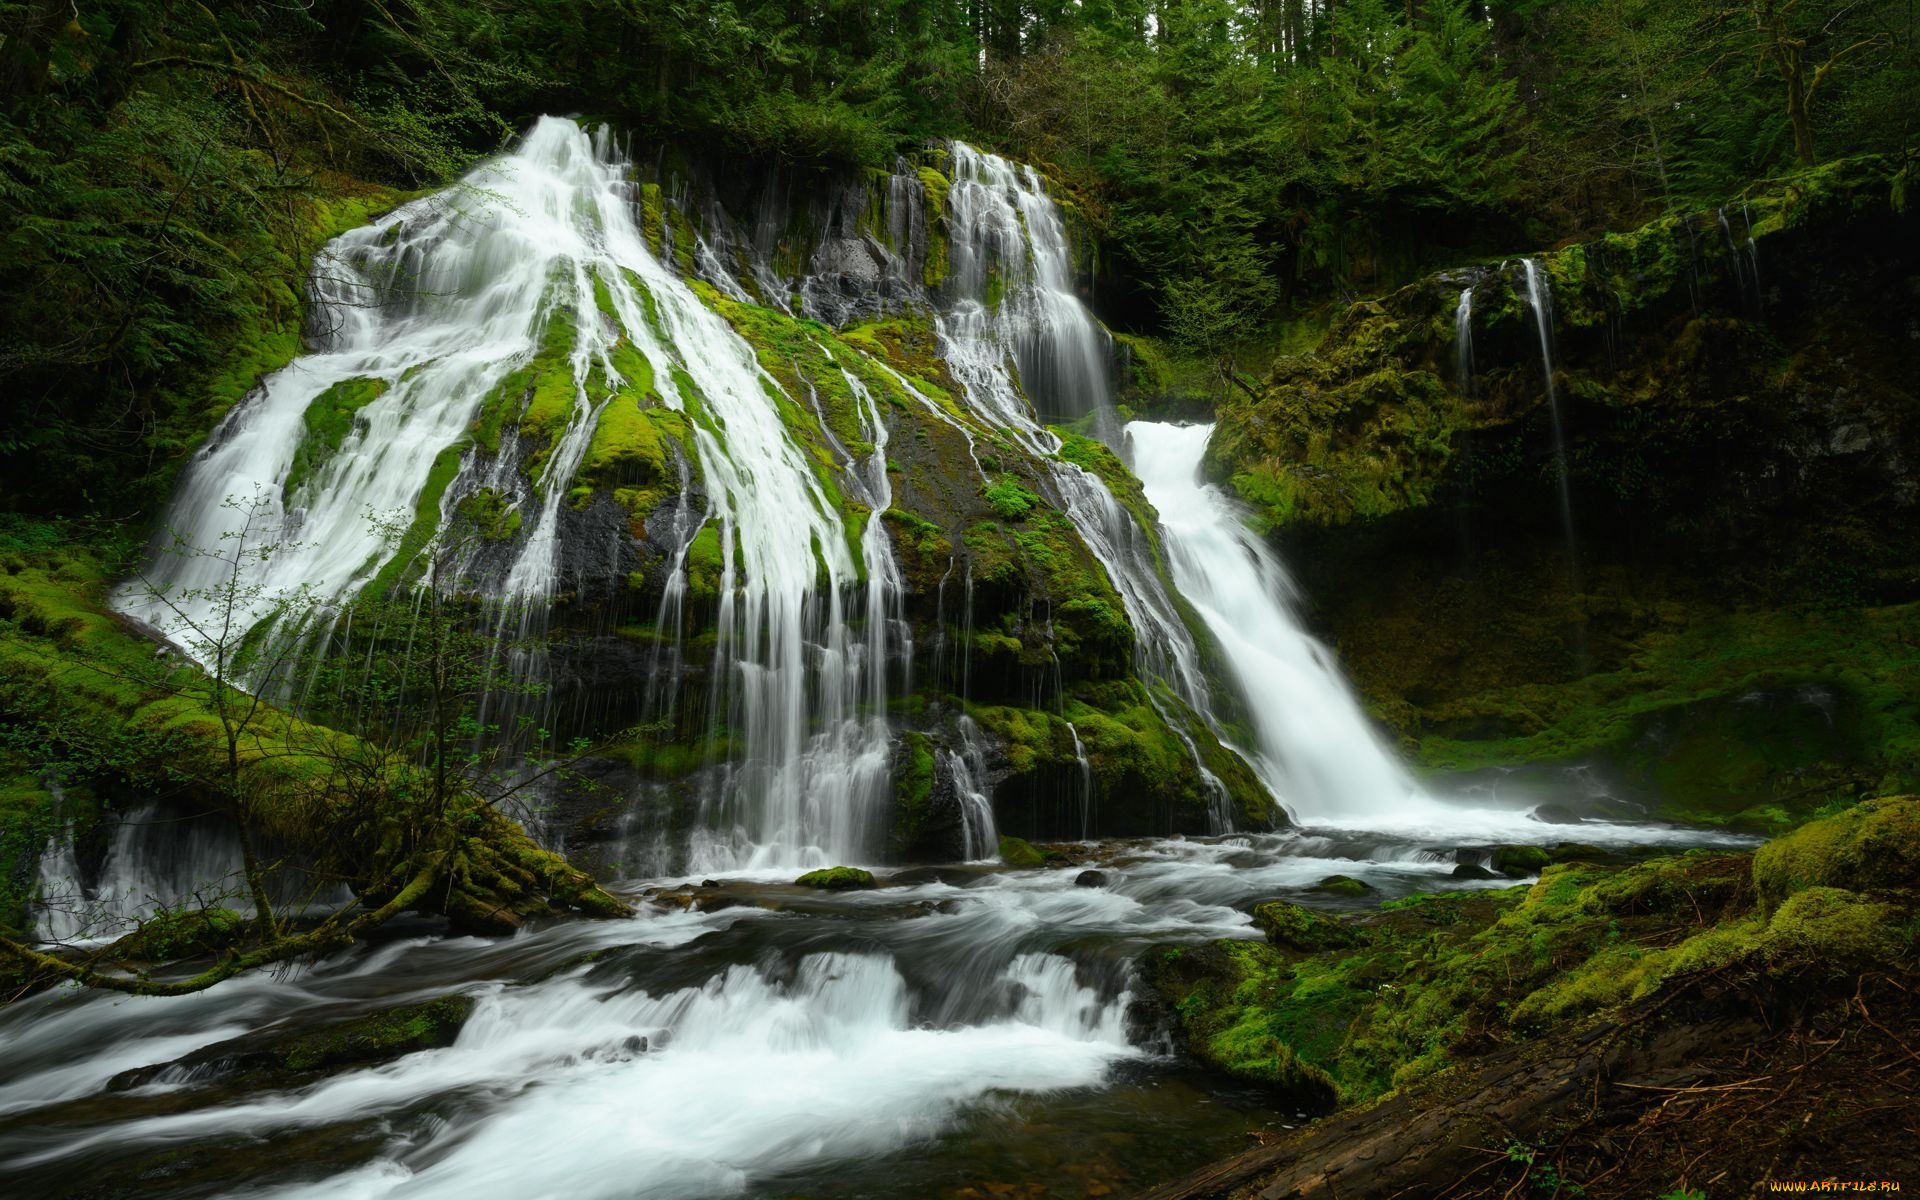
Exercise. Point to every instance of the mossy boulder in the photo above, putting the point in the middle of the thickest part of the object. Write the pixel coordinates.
(379, 1036)
(1517, 862)
(1873, 846)
(1018, 852)
(837, 879)
(181, 933)
(1224, 999)
(1291, 927)
(1344, 885)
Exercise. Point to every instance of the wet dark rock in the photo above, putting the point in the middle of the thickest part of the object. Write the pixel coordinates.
(1091, 879)
(1556, 814)
(1473, 871)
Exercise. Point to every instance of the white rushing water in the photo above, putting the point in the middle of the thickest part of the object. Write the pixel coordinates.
(1316, 752)
(438, 303)
(152, 862)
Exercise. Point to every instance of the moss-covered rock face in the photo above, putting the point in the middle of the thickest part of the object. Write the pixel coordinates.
(1729, 636)
(1391, 996)
(1873, 846)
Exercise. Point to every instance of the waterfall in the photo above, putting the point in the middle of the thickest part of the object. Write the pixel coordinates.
(1009, 246)
(1086, 783)
(1316, 751)
(436, 311)
(152, 862)
(1744, 255)
(1012, 282)
(1540, 304)
(1463, 343)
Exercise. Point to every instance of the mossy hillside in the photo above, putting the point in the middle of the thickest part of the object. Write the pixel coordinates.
(1142, 770)
(1430, 981)
(1754, 717)
(329, 419)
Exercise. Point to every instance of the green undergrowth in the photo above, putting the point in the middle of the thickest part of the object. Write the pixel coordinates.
(1758, 718)
(1356, 1006)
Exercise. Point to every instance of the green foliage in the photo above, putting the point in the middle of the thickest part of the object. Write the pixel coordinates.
(1428, 980)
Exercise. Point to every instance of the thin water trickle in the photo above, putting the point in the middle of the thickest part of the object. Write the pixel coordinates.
(1463, 343)
(1540, 304)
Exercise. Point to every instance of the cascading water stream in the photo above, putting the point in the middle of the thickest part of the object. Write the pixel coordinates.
(1463, 343)
(1540, 304)
(1316, 751)
(435, 306)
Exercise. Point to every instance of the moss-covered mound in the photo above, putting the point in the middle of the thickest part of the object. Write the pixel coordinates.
(1428, 982)
(95, 704)
(837, 879)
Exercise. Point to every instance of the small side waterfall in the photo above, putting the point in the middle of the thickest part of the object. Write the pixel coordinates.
(1743, 255)
(967, 769)
(1540, 304)
(1316, 751)
(152, 862)
(1463, 343)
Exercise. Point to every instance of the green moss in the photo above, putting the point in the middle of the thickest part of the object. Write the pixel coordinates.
(1011, 499)
(913, 780)
(328, 420)
(1871, 847)
(653, 216)
(180, 933)
(837, 879)
(1291, 927)
(935, 186)
(705, 564)
(382, 1035)
(487, 509)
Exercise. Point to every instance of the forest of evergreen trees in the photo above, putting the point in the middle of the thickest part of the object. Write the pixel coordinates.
(161, 160)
